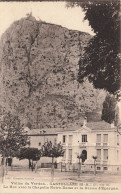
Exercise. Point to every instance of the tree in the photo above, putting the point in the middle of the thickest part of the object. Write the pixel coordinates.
(12, 137)
(32, 154)
(109, 109)
(15, 136)
(54, 151)
(101, 59)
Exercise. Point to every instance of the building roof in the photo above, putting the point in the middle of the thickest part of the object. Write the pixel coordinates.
(100, 125)
(46, 131)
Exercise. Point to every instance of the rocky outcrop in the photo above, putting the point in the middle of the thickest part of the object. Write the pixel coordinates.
(38, 74)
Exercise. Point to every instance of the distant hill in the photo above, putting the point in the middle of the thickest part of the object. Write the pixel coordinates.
(38, 74)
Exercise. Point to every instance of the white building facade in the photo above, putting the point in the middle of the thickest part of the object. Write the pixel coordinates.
(98, 139)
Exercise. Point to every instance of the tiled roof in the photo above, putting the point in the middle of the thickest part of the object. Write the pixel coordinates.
(100, 125)
(44, 131)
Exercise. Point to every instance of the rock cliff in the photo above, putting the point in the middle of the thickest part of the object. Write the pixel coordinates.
(38, 74)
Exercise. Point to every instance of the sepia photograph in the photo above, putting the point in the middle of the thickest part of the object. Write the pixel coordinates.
(60, 97)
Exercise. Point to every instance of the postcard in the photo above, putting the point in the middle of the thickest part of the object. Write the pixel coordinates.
(60, 97)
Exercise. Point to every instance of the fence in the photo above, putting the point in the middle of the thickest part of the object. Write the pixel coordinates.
(89, 167)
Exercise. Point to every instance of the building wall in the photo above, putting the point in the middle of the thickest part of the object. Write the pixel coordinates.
(109, 147)
(38, 141)
(74, 146)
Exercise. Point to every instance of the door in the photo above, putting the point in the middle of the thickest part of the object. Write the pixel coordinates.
(84, 156)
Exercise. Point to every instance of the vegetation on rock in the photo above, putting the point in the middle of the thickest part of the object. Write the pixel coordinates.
(39, 74)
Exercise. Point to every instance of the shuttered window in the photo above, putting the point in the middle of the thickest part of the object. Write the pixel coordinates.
(98, 138)
(105, 154)
(99, 154)
(84, 138)
(105, 138)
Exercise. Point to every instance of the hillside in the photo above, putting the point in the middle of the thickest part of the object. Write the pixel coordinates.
(38, 74)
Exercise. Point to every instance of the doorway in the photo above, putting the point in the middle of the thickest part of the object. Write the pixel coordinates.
(84, 156)
(9, 161)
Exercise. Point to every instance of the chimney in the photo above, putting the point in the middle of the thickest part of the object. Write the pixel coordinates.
(85, 121)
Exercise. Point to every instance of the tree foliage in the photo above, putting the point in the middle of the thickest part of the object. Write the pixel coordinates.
(109, 108)
(101, 60)
(52, 150)
(12, 137)
(30, 154)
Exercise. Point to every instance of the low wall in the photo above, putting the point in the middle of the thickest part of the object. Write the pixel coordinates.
(89, 167)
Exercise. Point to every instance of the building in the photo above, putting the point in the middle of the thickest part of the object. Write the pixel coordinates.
(37, 137)
(90, 139)
(98, 139)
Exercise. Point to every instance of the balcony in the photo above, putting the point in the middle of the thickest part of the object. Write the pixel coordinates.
(105, 162)
(83, 144)
(70, 143)
(98, 144)
(105, 144)
(98, 161)
(64, 144)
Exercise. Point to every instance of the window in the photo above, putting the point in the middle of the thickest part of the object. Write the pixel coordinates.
(98, 168)
(39, 143)
(84, 138)
(99, 154)
(98, 138)
(64, 138)
(117, 139)
(70, 154)
(105, 154)
(118, 169)
(70, 138)
(105, 168)
(105, 138)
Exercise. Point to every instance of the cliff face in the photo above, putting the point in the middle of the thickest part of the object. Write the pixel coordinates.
(38, 74)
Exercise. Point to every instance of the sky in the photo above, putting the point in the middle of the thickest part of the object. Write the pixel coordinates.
(51, 12)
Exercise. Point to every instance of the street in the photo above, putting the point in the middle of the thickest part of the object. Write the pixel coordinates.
(45, 175)
(26, 181)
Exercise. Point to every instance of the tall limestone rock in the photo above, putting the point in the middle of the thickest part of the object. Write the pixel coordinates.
(38, 74)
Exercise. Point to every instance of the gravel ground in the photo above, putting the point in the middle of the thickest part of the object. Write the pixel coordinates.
(45, 175)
